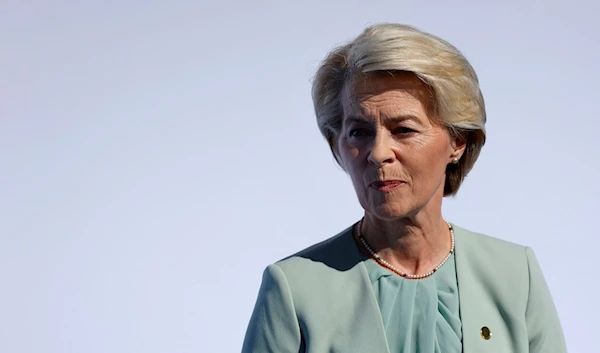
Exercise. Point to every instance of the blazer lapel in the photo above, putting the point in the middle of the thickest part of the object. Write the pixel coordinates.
(365, 321)
(478, 312)
(367, 311)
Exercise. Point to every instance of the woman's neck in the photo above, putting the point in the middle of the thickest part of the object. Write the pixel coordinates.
(414, 245)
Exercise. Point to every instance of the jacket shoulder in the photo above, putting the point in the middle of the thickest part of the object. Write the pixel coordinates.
(337, 252)
(324, 271)
(325, 246)
(485, 241)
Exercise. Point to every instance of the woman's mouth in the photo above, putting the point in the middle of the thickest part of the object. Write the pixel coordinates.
(386, 185)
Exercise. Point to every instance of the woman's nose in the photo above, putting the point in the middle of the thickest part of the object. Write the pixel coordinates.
(381, 150)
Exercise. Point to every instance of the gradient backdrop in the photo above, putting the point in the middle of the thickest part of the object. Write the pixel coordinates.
(156, 156)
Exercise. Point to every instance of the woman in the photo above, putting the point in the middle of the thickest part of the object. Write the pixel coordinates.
(404, 117)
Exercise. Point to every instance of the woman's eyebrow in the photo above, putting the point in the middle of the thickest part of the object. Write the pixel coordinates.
(356, 119)
(403, 117)
(393, 119)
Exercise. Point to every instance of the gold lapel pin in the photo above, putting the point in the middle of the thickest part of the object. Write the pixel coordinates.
(486, 334)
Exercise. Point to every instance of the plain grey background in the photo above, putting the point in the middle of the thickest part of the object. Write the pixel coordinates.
(156, 156)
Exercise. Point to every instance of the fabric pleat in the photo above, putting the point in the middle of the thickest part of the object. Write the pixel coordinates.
(419, 316)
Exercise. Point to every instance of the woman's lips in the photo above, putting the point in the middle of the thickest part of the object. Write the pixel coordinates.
(386, 185)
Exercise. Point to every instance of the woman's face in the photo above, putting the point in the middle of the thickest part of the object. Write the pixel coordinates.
(391, 146)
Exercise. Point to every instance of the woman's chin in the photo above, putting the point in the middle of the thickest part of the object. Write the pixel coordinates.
(388, 211)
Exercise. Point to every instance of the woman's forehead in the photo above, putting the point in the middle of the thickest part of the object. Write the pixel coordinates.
(386, 92)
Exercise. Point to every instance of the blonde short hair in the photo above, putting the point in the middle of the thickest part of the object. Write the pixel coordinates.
(458, 101)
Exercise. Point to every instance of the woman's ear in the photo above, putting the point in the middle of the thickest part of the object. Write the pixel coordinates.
(459, 145)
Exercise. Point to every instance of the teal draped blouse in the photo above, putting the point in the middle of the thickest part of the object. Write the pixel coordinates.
(419, 316)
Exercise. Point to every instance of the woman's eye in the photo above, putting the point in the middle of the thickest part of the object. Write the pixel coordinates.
(357, 132)
(403, 131)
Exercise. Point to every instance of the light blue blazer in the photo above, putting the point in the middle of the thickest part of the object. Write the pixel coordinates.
(320, 300)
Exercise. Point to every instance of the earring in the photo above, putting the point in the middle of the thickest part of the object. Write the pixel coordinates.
(455, 160)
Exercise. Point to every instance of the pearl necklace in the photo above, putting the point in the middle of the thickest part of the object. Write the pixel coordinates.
(395, 270)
